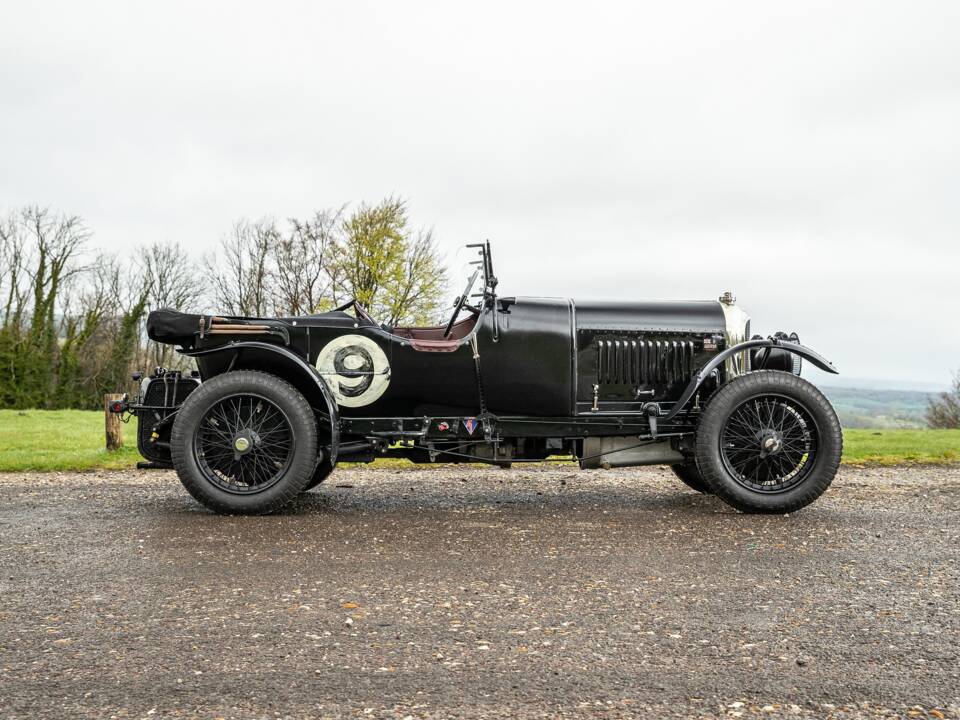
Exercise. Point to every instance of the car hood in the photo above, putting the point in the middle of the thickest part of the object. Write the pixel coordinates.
(650, 316)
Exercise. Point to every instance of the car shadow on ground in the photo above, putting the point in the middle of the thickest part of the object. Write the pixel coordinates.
(422, 497)
(444, 494)
(492, 498)
(423, 501)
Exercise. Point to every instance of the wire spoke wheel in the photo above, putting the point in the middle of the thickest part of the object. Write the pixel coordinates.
(769, 443)
(244, 444)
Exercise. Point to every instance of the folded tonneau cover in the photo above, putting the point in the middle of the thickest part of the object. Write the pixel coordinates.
(172, 327)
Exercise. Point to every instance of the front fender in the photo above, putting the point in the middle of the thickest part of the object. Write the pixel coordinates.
(306, 374)
(704, 372)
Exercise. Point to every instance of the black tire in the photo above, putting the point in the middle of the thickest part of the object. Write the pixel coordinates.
(691, 477)
(324, 468)
(768, 442)
(271, 472)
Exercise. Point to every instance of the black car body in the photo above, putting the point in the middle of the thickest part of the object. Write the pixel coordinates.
(518, 379)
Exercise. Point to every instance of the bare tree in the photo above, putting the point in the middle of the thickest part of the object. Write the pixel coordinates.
(71, 326)
(86, 332)
(171, 274)
(14, 289)
(239, 270)
(57, 242)
(173, 282)
(12, 271)
(944, 412)
(301, 263)
(126, 341)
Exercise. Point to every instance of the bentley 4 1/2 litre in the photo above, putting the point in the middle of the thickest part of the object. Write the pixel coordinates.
(276, 403)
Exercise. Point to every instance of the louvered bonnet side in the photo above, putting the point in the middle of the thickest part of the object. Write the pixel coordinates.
(629, 353)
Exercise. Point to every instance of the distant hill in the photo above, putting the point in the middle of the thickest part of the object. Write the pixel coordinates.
(863, 408)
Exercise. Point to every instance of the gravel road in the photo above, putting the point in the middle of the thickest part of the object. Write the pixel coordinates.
(472, 592)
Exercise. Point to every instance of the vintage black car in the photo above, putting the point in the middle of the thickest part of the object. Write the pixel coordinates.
(278, 402)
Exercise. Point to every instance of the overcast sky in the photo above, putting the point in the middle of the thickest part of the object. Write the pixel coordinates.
(804, 155)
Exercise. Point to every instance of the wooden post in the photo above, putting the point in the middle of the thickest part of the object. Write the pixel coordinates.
(112, 424)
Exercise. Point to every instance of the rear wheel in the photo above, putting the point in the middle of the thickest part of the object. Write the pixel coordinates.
(768, 442)
(691, 477)
(245, 442)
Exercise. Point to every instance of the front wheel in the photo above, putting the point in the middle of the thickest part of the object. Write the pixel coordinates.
(245, 442)
(768, 442)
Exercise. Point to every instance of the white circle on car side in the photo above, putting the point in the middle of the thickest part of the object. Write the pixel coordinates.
(356, 369)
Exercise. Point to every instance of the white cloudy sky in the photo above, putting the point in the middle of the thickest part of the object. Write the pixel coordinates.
(804, 155)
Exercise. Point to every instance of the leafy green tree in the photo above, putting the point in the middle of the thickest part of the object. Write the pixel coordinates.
(77, 351)
(41, 253)
(944, 412)
(57, 240)
(115, 375)
(15, 291)
(396, 273)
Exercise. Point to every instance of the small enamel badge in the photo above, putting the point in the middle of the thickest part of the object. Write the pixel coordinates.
(470, 424)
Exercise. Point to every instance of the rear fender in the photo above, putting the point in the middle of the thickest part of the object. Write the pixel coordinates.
(284, 363)
(705, 372)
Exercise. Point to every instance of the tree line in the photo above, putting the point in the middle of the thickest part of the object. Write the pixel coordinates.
(72, 319)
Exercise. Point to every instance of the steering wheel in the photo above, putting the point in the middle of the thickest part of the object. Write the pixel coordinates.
(461, 301)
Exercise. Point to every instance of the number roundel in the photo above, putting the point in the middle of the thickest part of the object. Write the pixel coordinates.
(356, 369)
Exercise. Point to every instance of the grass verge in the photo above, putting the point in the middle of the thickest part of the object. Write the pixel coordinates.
(61, 440)
(66, 440)
(895, 447)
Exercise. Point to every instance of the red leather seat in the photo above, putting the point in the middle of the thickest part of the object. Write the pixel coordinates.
(431, 339)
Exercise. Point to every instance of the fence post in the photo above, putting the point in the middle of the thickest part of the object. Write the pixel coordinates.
(112, 423)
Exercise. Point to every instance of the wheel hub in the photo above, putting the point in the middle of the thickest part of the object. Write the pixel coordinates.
(771, 444)
(245, 441)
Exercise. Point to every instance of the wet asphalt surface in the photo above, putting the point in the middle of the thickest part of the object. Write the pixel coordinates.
(450, 592)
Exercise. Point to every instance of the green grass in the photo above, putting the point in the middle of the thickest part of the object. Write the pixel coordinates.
(61, 440)
(893, 447)
(66, 440)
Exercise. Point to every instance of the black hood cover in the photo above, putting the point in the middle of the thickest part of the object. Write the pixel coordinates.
(646, 316)
(170, 326)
